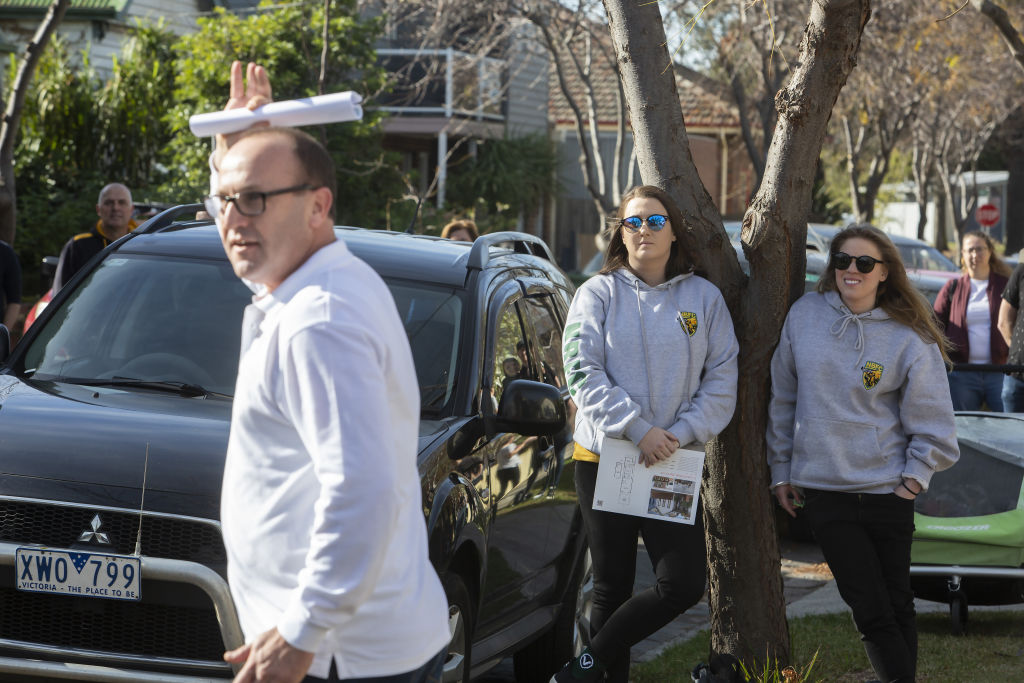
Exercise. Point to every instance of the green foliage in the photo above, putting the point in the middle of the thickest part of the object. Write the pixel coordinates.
(771, 672)
(58, 127)
(990, 652)
(287, 40)
(512, 172)
(79, 132)
(57, 173)
(503, 179)
(132, 109)
(832, 196)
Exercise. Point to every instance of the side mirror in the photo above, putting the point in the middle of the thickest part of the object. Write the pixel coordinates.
(5, 343)
(530, 408)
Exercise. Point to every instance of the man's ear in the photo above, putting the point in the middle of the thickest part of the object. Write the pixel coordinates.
(322, 202)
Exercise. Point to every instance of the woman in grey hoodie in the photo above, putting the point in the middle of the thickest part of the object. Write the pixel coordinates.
(650, 356)
(860, 418)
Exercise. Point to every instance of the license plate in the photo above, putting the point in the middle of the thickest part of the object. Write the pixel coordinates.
(90, 575)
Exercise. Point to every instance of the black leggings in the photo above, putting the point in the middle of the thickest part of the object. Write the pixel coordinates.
(866, 540)
(621, 619)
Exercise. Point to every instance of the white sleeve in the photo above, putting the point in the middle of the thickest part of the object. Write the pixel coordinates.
(341, 416)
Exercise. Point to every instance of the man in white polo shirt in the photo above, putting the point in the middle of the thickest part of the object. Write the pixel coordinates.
(321, 506)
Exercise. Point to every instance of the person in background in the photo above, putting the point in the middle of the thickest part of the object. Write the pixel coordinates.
(460, 229)
(10, 286)
(650, 356)
(115, 208)
(858, 422)
(1011, 327)
(968, 309)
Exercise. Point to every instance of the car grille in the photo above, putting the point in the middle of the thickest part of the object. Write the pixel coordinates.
(171, 621)
(58, 526)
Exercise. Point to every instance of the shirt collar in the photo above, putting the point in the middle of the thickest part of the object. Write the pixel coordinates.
(321, 259)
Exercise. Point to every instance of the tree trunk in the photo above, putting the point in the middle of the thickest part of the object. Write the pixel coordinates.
(1011, 36)
(12, 116)
(747, 604)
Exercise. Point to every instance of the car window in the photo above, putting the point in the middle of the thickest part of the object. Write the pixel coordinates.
(506, 363)
(547, 367)
(923, 257)
(174, 319)
(147, 318)
(433, 323)
(987, 479)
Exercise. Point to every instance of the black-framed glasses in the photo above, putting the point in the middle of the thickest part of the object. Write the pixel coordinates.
(865, 264)
(248, 202)
(655, 222)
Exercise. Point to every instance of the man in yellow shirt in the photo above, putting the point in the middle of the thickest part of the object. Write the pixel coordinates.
(115, 209)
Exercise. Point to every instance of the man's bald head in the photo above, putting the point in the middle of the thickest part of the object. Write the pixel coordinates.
(313, 158)
(114, 207)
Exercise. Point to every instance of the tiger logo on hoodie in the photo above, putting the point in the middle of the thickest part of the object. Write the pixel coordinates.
(872, 374)
(687, 321)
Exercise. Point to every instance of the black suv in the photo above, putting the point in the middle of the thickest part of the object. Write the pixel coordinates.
(114, 417)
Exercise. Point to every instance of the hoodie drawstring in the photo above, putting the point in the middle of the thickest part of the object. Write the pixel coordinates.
(643, 341)
(838, 329)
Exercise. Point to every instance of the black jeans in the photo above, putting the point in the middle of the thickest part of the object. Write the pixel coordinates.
(621, 619)
(865, 539)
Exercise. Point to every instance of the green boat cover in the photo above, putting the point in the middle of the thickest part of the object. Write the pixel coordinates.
(973, 513)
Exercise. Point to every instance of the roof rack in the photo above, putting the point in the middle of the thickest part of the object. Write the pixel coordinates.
(519, 242)
(166, 218)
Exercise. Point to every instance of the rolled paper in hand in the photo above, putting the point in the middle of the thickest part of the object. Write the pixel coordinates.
(307, 111)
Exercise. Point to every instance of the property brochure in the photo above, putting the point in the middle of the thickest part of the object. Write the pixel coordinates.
(667, 490)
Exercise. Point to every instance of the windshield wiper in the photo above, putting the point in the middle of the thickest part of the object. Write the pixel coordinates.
(185, 389)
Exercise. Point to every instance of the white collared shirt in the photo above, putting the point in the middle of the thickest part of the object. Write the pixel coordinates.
(321, 505)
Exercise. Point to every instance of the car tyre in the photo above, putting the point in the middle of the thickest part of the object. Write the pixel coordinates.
(568, 635)
(457, 662)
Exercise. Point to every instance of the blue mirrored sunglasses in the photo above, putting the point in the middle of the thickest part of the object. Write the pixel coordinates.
(655, 222)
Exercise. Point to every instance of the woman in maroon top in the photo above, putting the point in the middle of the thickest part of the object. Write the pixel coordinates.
(968, 308)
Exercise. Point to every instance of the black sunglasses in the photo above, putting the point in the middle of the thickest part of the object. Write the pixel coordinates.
(655, 222)
(865, 264)
(249, 202)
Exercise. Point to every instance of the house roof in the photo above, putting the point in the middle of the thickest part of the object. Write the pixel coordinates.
(705, 102)
(77, 8)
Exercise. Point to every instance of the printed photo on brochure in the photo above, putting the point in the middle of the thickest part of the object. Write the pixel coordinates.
(667, 490)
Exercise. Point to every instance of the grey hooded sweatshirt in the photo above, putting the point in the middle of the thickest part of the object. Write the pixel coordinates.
(638, 357)
(858, 401)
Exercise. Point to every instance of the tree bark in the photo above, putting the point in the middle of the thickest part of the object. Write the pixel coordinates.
(747, 604)
(922, 167)
(12, 116)
(1011, 36)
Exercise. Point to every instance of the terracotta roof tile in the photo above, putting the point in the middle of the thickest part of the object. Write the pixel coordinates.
(705, 103)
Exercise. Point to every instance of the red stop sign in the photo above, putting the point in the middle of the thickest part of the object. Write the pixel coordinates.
(987, 215)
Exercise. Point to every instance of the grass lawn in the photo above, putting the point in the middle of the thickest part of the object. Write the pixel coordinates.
(992, 650)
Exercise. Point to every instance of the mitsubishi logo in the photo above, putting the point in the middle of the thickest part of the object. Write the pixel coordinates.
(94, 534)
